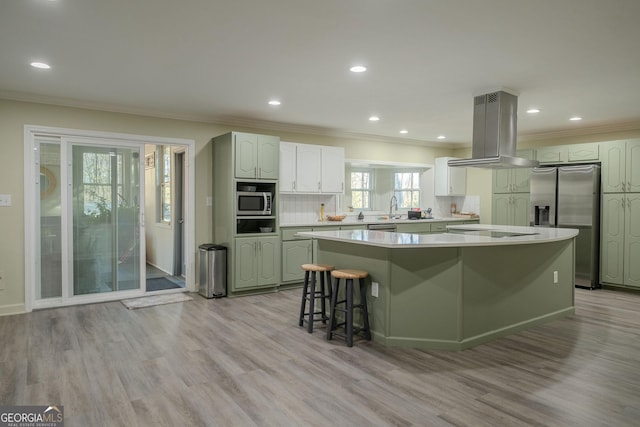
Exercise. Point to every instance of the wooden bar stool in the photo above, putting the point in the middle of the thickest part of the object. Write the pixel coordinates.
(309, 293)
(349, 276)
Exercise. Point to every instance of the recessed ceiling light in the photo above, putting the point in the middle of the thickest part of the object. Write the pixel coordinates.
(374, 118)
(404, 131)
(274, 102)
(575, 118)
(41, 65)
(358, 69)
(533, 111)
(441, 137)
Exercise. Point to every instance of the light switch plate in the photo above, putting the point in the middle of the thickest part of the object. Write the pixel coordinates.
(5, 199)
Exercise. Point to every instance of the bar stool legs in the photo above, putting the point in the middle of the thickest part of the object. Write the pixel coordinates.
(310, 293)
(349, 276)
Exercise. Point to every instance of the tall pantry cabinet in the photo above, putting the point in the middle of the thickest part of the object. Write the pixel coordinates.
(620, 235)
(247, 162)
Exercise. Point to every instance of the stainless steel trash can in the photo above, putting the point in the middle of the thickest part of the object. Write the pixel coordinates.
(213, 270)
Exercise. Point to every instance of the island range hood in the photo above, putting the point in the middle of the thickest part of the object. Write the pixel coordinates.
(494, 133)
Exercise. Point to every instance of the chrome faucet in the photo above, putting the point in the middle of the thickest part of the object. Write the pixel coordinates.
(392, 203)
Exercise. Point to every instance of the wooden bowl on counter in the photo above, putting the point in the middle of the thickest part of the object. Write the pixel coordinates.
(336, 217)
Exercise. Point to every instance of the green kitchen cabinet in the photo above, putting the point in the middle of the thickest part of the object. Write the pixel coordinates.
(513, 180)
(555, 154)
(510, 198)
(256, 156)
(510, 209)
(569, 153)
(620, 240)
(417, 228)
(620, 166)
(294, 254)
(256, 262)
(296, 250)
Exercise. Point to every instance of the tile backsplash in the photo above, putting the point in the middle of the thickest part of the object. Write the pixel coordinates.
(305, 208)
(469, 204)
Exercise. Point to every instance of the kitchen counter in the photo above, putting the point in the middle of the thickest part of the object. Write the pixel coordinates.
(459, 236)
(454, 291)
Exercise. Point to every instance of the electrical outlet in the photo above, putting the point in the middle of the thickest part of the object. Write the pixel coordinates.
(209, 201)
(374, 289)
(555, 276)
(1, 280)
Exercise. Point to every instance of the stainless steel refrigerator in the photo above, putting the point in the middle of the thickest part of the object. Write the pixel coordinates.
(569, 197)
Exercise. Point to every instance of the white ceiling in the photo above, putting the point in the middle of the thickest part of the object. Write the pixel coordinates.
(222, 60)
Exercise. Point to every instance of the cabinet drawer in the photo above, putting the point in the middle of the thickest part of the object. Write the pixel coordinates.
(327, 228)
(438, 227)
(290, 233)
(353, 227)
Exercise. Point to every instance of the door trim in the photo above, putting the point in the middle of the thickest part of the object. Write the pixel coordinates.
(32, 220)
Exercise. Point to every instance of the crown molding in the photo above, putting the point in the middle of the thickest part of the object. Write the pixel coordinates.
(304, 129)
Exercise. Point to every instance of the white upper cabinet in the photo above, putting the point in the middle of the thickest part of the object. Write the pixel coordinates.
(308, 169)
(308, 164)
(449, 181)
(332, 170)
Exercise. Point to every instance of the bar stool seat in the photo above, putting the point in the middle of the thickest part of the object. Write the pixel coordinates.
(349, 276)
(310, 294)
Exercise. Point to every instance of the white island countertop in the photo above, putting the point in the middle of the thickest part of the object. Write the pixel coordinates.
(458, 236)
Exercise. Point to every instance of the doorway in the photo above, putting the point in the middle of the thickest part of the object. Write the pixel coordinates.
(165, 207)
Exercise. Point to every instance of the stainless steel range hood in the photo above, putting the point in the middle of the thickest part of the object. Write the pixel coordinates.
(494, 133)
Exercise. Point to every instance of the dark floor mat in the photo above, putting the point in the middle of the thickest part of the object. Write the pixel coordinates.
(161, 283)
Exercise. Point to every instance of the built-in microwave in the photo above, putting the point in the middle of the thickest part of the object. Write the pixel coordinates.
(253, 203)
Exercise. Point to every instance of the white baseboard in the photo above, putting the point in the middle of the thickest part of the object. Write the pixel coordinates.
(8, 310)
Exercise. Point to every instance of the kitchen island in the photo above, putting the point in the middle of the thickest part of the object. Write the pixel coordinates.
(458, 289)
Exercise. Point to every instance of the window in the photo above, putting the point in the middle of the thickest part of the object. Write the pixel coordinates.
(97, 182)
(361, 189)
(163, 183)
(406, 187)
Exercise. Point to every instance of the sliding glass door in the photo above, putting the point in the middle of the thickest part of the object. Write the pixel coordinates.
(105, 232)
(89, 208)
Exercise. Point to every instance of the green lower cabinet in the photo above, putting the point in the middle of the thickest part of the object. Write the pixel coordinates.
(257, 262)
(294, 254)
(620, 240)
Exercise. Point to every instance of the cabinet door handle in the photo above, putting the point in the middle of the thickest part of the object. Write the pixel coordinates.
(255, 171)
(294, 185)
(318, 185)
(623, 187)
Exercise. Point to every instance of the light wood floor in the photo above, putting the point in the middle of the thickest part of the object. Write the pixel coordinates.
(245, 362)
